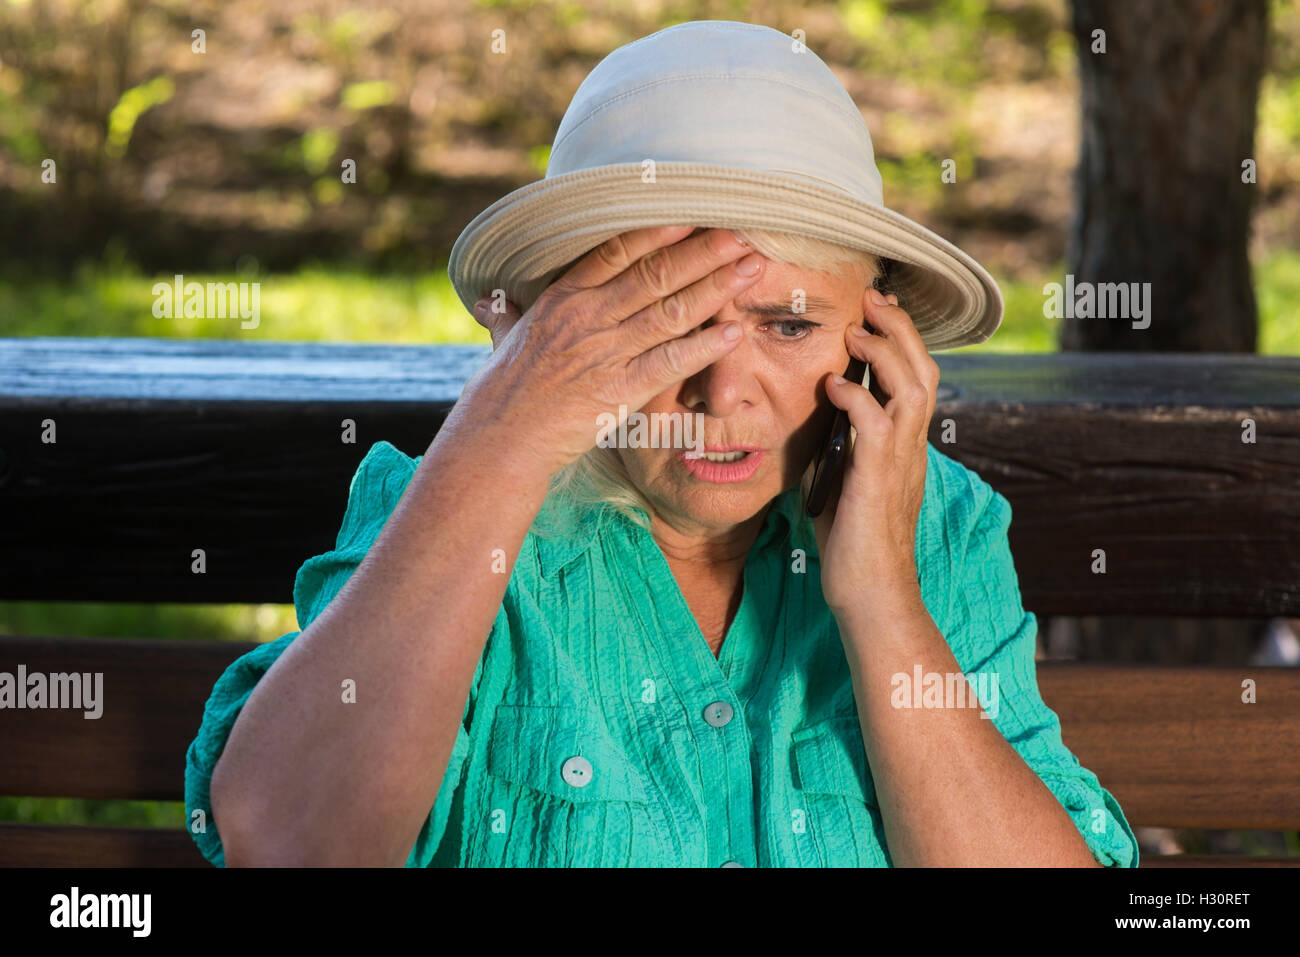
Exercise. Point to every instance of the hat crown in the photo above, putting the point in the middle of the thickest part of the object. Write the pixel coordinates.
(719, 92)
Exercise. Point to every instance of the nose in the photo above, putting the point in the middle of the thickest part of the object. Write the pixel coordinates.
(725, 386)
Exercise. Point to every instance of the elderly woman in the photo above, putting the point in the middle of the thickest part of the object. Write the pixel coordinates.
(530, 649)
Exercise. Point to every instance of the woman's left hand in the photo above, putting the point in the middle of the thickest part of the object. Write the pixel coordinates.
(867, 536)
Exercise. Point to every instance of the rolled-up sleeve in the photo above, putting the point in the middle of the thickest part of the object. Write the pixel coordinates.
(376, 488)
(992, 634)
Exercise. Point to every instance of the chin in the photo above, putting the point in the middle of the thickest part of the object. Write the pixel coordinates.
(723, 504)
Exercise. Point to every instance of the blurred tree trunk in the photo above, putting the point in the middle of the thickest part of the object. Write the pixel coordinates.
(1168, 119)
(1168, 114)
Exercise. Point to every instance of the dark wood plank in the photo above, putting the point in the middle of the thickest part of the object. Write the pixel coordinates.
(1178, 748)
(166, 446)
(1139, 455)
(153, 697)
(234, 447)
(1175, 746)
(90, 370)
(38, 845)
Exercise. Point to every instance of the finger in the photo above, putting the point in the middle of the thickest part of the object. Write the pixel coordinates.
(872, 424)
(896, 325)
(682, 358)
(617, 253)
(683, 311)
(910, 402)
(665, 271)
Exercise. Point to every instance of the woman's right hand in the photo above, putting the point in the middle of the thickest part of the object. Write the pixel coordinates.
(617, 328)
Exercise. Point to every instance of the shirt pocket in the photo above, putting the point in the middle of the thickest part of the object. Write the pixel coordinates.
(561, 792)
(842, 823)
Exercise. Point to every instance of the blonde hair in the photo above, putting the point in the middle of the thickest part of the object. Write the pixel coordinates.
(599, 477)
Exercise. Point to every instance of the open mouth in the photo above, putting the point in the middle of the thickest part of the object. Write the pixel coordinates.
(722, 465)
(718, 456)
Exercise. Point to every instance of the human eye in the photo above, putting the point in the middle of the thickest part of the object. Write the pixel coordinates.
(801, 328)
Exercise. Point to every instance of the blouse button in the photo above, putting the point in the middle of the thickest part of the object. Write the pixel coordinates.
(733, 864)
(718, 713)
(576, 771)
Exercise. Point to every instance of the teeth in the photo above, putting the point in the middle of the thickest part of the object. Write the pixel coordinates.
(724, 456)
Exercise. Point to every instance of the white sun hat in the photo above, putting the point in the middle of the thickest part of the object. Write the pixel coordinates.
(718, 123)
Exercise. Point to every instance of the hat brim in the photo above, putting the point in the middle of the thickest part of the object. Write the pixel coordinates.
(521, 242)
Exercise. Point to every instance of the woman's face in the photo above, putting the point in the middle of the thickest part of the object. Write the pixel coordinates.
(765, 394)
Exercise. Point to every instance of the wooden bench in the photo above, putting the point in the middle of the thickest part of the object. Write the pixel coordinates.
(235, 448)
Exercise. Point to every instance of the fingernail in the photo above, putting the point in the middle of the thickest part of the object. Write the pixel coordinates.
(749, 265)
(736, 235)
(860, 332)
(732, 332)
(839, 379)
(876, 297)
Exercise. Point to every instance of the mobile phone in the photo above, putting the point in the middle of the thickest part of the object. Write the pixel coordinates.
(828, 473)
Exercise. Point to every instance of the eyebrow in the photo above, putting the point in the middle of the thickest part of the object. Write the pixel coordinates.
(777, 309)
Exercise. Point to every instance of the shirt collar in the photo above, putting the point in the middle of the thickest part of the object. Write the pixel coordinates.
(575, 527)
(570, 530)
(787, 527)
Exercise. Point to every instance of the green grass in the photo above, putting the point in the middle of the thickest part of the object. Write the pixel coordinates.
(1024, 329)
(316, 303)
(30, 810)
(320, 304)
(128, 620)
(1277, 291)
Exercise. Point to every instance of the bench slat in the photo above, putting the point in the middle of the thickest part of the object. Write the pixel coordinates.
(39, 845)
(165, 446)
(1175, 746)
(153, 697)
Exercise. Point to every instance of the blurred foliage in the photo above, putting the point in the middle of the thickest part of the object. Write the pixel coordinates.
(363, 96)
(1277, 291)
(318, 148)
(121, 120)
(539, 157)
(936, 43)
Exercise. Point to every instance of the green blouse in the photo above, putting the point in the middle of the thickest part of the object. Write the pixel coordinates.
(601, 730)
